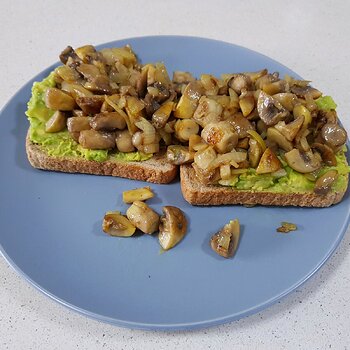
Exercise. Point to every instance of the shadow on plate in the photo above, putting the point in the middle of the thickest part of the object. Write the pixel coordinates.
(20, 132)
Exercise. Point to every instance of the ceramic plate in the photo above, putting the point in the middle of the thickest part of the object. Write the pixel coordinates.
(51, 226)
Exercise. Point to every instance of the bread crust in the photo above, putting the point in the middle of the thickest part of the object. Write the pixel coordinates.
(155, 170)
(198, 194)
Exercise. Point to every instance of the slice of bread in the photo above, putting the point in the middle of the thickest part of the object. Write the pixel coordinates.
(155, 170)
(198, 194)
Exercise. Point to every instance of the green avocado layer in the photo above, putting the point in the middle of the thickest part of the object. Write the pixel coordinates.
(60, 143)
(292, 182)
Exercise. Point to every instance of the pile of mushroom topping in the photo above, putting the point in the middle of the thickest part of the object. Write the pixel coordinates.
(223, 126)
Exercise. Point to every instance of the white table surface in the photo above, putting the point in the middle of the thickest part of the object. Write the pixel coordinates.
(310, 37)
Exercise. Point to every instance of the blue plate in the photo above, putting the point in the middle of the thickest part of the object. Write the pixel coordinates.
(51, 227)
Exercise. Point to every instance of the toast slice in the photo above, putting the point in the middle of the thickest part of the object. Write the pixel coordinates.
(155, 170)
(198, 194)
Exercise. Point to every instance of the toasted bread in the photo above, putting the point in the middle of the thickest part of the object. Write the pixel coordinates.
(198, 194)
(155, 170)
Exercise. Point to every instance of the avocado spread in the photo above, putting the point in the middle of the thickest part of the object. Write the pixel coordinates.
(291, 181)
(60, 143)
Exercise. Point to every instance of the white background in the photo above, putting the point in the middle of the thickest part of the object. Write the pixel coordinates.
(311, 38)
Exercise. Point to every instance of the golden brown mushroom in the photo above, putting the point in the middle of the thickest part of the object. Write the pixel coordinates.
(225, 242)
(178, 154)
(123, 140)
(273, 135)
(334, 135)
(269, 163)
(93, 139)
(327, 153)
(58, 100)
(56, 123)
(221, 135)
(118, 225)
(189, 100)
(143, 217)
(270, 110)
(303, 162)
(172, 227)
(324, 183)
(108, 121)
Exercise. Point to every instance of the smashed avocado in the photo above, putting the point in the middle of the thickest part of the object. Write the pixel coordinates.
(292, 181)
(60, 143)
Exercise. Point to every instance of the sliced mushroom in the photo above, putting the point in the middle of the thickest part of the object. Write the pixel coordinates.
(118, 225)
(301, 111)
(56, 123)
(85, 53)
(123, 141)
(172, 227)
(77, 124)
(334, 135)
(328, 116)
(225, 242)
(188, 102)
(275, 87)
(302, 91)
(67, 53)
(208, 111)
(58, 100)
(159, 92)
(99, 84)
(178, 154)
(269, 163)
(221, 135)
(88, 71)
(75, 90)
(286, 99)
(162, 114)
(303, 162)
(270, 111)
(327, 153)
(196, 143)
(254, 76)
(93, 139)
(137, 194)
(68, 74)
(184, 128)
(290, 130)
(266, 79)
(254, 153)
(246, 103)
(143, 217)
(240, 82)
(90, 104)
(302, 142)
(141, 83)
(324, 183)
(204, 157)
(180, 77)
(210, 84)
(273, 135)
(108, 121)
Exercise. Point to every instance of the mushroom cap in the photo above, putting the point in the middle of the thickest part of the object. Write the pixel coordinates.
(303, 162)
(172, 227)
(270, 110)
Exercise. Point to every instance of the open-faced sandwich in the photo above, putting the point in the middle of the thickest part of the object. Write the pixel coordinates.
(244, 138)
